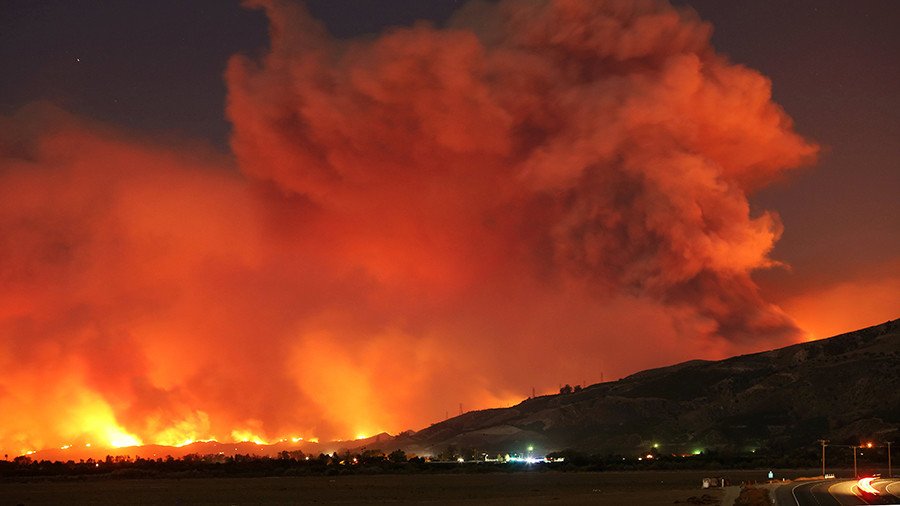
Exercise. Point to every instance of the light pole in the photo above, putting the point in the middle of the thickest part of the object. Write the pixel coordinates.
(823, 442)
(855, 474)
(890, 471)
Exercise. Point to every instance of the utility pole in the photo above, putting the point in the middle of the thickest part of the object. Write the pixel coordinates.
(855, 473)
(824, 442)
(890, 471)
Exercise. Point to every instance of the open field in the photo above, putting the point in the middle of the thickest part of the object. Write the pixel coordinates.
(643, 487)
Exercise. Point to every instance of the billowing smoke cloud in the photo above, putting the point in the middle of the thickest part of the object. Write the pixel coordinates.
(599, 141)
(537, 193)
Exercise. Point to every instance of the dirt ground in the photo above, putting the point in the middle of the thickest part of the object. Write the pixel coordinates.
(642, 487)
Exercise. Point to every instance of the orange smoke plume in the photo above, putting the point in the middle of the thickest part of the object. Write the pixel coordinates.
(536, 193)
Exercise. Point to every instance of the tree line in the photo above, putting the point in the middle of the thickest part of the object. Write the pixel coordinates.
(374, 461)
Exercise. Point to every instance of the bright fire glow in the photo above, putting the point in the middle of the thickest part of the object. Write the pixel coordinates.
(121, 439)
(95, 418)
(245, 436)
(193, 428)
(190, 441)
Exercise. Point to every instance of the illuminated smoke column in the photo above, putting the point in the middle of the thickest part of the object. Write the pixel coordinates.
(537, 193)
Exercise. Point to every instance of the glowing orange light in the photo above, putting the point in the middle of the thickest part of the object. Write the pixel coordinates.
(120, 439)
(90, 415)
(191, 429)
(245, 436)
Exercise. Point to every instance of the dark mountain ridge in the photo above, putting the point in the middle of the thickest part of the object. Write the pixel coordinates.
(843, 388)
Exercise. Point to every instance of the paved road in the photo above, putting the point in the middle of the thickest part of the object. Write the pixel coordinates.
(836, 493)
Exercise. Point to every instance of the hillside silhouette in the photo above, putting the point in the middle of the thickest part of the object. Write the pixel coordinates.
(845, 388)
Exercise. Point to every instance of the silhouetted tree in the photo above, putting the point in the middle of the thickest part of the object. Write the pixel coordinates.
(451, 453)
(567, 389)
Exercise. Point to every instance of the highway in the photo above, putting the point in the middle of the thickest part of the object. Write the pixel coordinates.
(839, 492)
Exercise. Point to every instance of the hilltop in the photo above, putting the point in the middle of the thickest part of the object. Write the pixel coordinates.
(843, 388)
